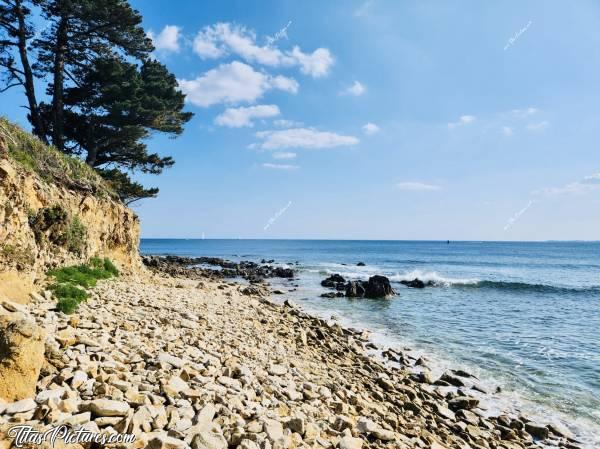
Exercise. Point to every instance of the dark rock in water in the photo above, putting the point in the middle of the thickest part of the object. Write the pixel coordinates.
(281, 272)
(191, 267)
(452, 380)
(355, 289)
(277, 292)
(332, 295)
(332, 280)
(417, 283)
(378, 287)
(360, 264)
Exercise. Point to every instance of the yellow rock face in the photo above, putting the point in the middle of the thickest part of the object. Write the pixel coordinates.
(21, 357)
(111, 230)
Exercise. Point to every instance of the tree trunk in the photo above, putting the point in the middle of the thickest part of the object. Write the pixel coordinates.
(58, 85)
(36, 119)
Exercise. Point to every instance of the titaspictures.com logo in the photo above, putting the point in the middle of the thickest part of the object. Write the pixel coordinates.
(26, 435)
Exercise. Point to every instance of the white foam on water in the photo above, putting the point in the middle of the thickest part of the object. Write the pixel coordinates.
(432, 276)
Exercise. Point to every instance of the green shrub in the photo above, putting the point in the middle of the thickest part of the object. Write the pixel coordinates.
(67, 280)
(69, 291)
(75, 235)
(78, 275)
(67, 305)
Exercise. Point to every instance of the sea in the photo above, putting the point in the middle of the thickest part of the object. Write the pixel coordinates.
(524, 317)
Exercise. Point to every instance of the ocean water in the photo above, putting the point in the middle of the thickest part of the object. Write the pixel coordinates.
(522, 316)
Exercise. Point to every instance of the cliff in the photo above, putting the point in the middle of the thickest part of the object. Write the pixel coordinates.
(54, 211)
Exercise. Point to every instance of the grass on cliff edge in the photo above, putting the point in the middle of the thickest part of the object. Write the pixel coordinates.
(70, 280)
(50, 164)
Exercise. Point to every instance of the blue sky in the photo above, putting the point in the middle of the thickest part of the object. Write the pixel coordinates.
(379, 120)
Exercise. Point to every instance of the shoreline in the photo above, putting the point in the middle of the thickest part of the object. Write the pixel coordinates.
(270, 375)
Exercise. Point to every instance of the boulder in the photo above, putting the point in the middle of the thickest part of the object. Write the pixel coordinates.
(21, 358)
(355, 289)
(416, 283)
(378, 287)
(333, 280)
(536, 431)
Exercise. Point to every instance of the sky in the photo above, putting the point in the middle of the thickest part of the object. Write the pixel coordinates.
(378, 119)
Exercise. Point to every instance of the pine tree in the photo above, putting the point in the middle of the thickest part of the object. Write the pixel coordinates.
(113, 108)
(79, 32)
(106, 93)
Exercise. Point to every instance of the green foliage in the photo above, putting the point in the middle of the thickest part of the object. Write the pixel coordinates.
(64, 291)
(75, 235)
(68, 281)
(52, 224)
(106, 94)
(104, 264)
(67, 305)
(50, 164)
(129, 191)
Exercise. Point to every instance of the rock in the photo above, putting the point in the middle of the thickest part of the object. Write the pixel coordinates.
(79, 377)
(383, 434)
(416, 283)
(536, 431)
(171, 360)
(175, 385)
(297, 425)
(331, 295)
(463, 402)
(273, 429)
(452, 380)
(165, 442)
(355, 289)
(349, 442)
(360, 264)
(21, 358)
(107, 407)
(277, 370)
(378, 287)
(22, 406)
(209, 440)
(333, 280)
(444, 412)
(247, 444)
(342, 422)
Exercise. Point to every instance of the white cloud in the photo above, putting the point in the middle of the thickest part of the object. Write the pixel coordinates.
(417, 186)
(303, 138)
(507, 131)
(370, 128)
(283, 123)
(585, 185)
(463, 120)
(284, 155)
(233, 83)
(357, 89)
(280, 166)
(243, 116)
(167, 40)
(538, 126)
(513, 219)
(220, 39)
(523, 113)
(315, 64)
